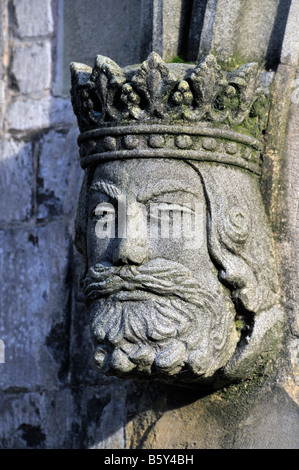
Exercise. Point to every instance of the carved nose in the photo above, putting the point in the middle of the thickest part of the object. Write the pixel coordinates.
(133, 249)
(130, 251)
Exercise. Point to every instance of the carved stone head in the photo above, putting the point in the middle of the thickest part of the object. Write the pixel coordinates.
(179, 276)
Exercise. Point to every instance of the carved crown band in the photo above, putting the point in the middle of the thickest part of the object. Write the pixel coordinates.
(169, 111)
(167, 141)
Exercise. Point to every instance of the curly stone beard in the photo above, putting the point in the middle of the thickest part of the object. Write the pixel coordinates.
(156, 320)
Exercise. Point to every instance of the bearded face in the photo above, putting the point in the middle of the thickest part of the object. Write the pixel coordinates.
(154, 319)
(163, 305)
(156, 308)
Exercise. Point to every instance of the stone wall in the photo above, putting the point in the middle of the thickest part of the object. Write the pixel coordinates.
(50, 396)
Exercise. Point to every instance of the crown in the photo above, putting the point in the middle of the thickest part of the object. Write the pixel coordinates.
(192, 112)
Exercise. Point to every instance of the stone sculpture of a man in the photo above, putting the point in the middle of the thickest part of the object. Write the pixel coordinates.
(179, 276)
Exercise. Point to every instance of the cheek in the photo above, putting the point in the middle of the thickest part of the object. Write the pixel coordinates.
(182, 239)
(164, 248)
(99, 249)
(187, 252)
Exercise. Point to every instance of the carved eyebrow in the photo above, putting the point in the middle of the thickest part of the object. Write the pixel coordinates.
(162, 187)
(107, 188)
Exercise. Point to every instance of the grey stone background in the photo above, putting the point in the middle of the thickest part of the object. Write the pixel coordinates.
(49, 395)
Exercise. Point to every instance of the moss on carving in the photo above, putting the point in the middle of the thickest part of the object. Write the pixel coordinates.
(231, 63)
(179, 60)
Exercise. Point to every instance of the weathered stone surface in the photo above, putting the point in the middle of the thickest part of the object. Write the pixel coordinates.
(245, 31)
(292, 199)
(64, 418)
(38, 420)
(33, 115)
(254, 22)
(29, 115)
(103, 414)
(207, 31)
(165, 28)
(261, 417)
(59, 174)
(32, 66)
(290, 46)
(81, 364)
(2, 352)
(272, 422)
(173, 18)
(281, 164)
(35, 322)
(16, 181)
(151, 27)
(196, 28)
(119, 19)
(33, 20)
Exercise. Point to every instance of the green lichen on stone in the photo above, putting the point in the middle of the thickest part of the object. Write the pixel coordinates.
(240, 325)
(231, 63)
(179, 60)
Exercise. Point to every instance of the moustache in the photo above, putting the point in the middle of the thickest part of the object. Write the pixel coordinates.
(159, 276)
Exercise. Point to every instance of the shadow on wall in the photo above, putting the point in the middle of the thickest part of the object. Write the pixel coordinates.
(251, 416)
(276, 39)
(40, 179)
(50, 395)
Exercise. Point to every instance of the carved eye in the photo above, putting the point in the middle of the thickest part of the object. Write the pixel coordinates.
(103, 211)
(164, 210)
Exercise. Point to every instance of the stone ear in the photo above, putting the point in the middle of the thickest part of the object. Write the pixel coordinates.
(239, 237)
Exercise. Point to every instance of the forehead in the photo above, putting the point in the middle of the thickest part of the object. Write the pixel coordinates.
(135, 174)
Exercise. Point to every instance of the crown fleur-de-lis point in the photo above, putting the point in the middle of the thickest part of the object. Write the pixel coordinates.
(154, 81)
(156, 90)
(108, 78)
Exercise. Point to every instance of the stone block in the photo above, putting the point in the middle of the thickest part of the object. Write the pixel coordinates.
(66, 418)
(290, 47)
(16, 181)
(109, 28)
(37, 420)
(246, 31)
(103, 414)
(29, 115)
(174, 13)
(33, 115)
(32, 66)
(33, 18)
(164, 28)
(240, 417)
(34, 305)
(59, 175)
